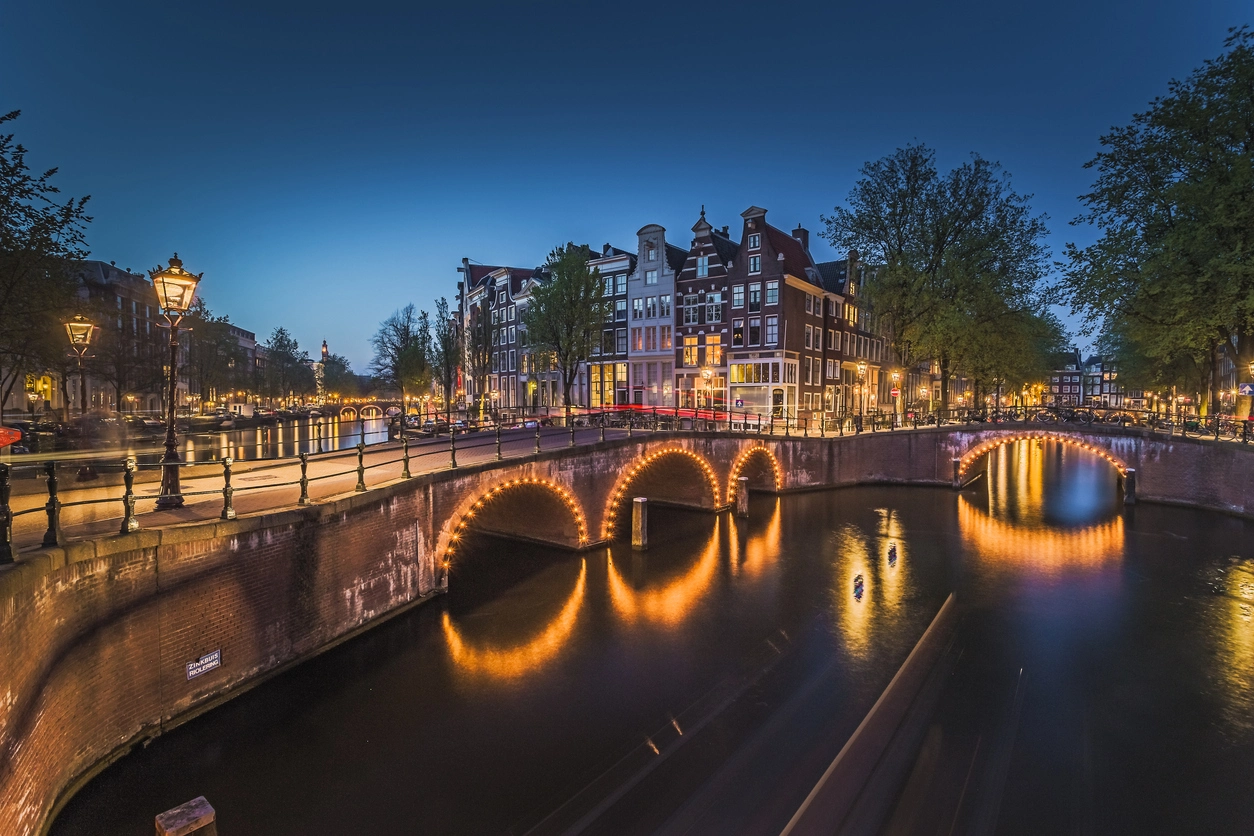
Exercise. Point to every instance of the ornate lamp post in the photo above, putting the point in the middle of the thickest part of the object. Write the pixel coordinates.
(861, 386)
(707, 377)
(896, 375)
(926, 392)
(32, 397)
(80, 331)
(176, 290)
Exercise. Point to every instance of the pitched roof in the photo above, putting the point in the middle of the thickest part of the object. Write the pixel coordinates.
(797, 259)
(675, 257)
(477, 273)
(724, 246)
(833, 275)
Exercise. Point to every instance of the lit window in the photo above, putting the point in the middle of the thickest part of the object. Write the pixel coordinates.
(713, 350)
(690, 351)
(664, 335)
(738, 333)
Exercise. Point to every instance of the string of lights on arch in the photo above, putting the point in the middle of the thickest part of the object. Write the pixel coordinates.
(478, 505)
(620, 491)
(733, 480)
(988, 446)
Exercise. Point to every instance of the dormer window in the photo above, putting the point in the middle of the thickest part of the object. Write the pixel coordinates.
(755, 241)
(650, 252)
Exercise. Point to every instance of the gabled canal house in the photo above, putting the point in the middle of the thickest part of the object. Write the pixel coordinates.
(651, 340)
(607, 368)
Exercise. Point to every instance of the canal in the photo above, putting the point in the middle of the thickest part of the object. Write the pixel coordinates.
(1102, 683)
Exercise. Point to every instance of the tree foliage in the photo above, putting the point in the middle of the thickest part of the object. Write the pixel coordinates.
(402, 351)
(957, 261)
(446, 353)
(40, 237)
(1171, 280)
(478, 349)
(288, 373)
(566, 312)
(338, 380)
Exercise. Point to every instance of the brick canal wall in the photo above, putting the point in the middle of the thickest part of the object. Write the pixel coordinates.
(95, 637)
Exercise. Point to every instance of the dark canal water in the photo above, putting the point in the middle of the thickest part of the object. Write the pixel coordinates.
(1103, 683)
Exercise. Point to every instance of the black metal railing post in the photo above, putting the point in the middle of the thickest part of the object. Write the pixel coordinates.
(570, 421)
(405, 457)
(452, 447)
(318, 435)
(228, 493)
(52, 537)
(304, 480)
(655, 419)
(129, 523)
(498, 441)
(631, 419)
(361, 466)
(602, 423)
(6, 517)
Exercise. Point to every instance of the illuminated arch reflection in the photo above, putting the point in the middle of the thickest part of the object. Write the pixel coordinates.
(1039, 549)
(525, 657)
(671, 603)
(619, 495)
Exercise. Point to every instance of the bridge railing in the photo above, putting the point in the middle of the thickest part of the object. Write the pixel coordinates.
(508, 440)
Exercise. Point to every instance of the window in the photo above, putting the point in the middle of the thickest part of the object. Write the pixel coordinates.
(807, 378)
(692, 312)
(620, 283)
(513, 361)
(755, 298)
(755, 264)
(831, 339)
(637, 339)
(650, 254)
(512, 311)
(713, 350)
(607, 342)
(500, 298)
(651, 381)
(650, 308)
(772, 294)
(664, 335)
(650, 276)
(609, 286)
(772, 330)
(620, 310)
(809, 300)
(755, 241)
(851, 312)
(495, 363)
(690, 351)
(703, 266)
(637, 309)
(496, 338)
(513, 334)
(755, 331)
(664, 305)
(809, 336)
(738, 296)
(738, 333)
(831, 370)
(790, 372)
(713, 307)
(637, 374)
(650, 338)
(621, 341)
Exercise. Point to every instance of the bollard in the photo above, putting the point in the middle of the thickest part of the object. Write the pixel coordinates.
(655, 419)
(957, 477)
(129, 523)
(304, 480)
(405, 457)
(6, 517)
(571, 423)
(1129, 486)
(228, 509)
(823, 427)
(452, 447)
(52, 537)
(195, 818)
(630, 421)
(742, 496)
(602, 425)
(640, 523)
(498, 441)
(361, 467)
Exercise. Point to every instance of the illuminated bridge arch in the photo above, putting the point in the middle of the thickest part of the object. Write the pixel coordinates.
(348, 413)
(759, 465)
(650, 472)
(509, 509)
(371, 411)
(990, 444)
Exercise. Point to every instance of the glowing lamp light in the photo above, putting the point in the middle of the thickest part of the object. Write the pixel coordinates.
(862, 368)
(176, 287)
(80, 331)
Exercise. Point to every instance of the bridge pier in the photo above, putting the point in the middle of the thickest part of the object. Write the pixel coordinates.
(742, 496)
(1129, 486)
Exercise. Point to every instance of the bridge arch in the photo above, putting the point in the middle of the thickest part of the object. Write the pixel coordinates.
(987, 445)
(505, 507)
(703, 491)
(348, 413)
(392, 411)
(371, 411)
(759, 465)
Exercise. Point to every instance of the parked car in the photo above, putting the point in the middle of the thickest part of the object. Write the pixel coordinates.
(434, 426)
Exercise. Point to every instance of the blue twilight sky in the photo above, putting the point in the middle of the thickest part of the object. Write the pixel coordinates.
(324, 163)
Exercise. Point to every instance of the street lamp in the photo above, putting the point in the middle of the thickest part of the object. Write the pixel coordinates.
(32, 397)
(707, 376)
(861, 385)
(926, 392)
(80, 331)
(896, 375)
(130, 403)
(176, 290)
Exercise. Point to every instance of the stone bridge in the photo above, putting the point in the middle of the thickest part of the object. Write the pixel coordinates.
(101, 637)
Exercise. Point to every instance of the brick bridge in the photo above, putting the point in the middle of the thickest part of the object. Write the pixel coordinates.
(99, 634)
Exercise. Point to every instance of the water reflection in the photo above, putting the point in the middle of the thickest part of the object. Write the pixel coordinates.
(669, 603)
(1232, 624)
(285, 439)
(520, 657)
(760, 549)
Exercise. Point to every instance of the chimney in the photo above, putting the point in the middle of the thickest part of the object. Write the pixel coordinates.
(803, 235)
(605, 250)
(727, 232)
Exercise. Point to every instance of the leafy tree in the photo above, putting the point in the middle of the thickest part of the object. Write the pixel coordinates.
(287, 373)
(213, 354)
(955, 255)
(402, 351)
(338, 380)
(566, 312)
(40, 238)
(131, 361)
(446, 353)
(1171, 274)
(478, 350)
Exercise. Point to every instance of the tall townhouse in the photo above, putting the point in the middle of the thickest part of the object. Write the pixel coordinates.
(607, 368)
(702, 288)
(651, 342)
(497, 290)
(851, 340)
